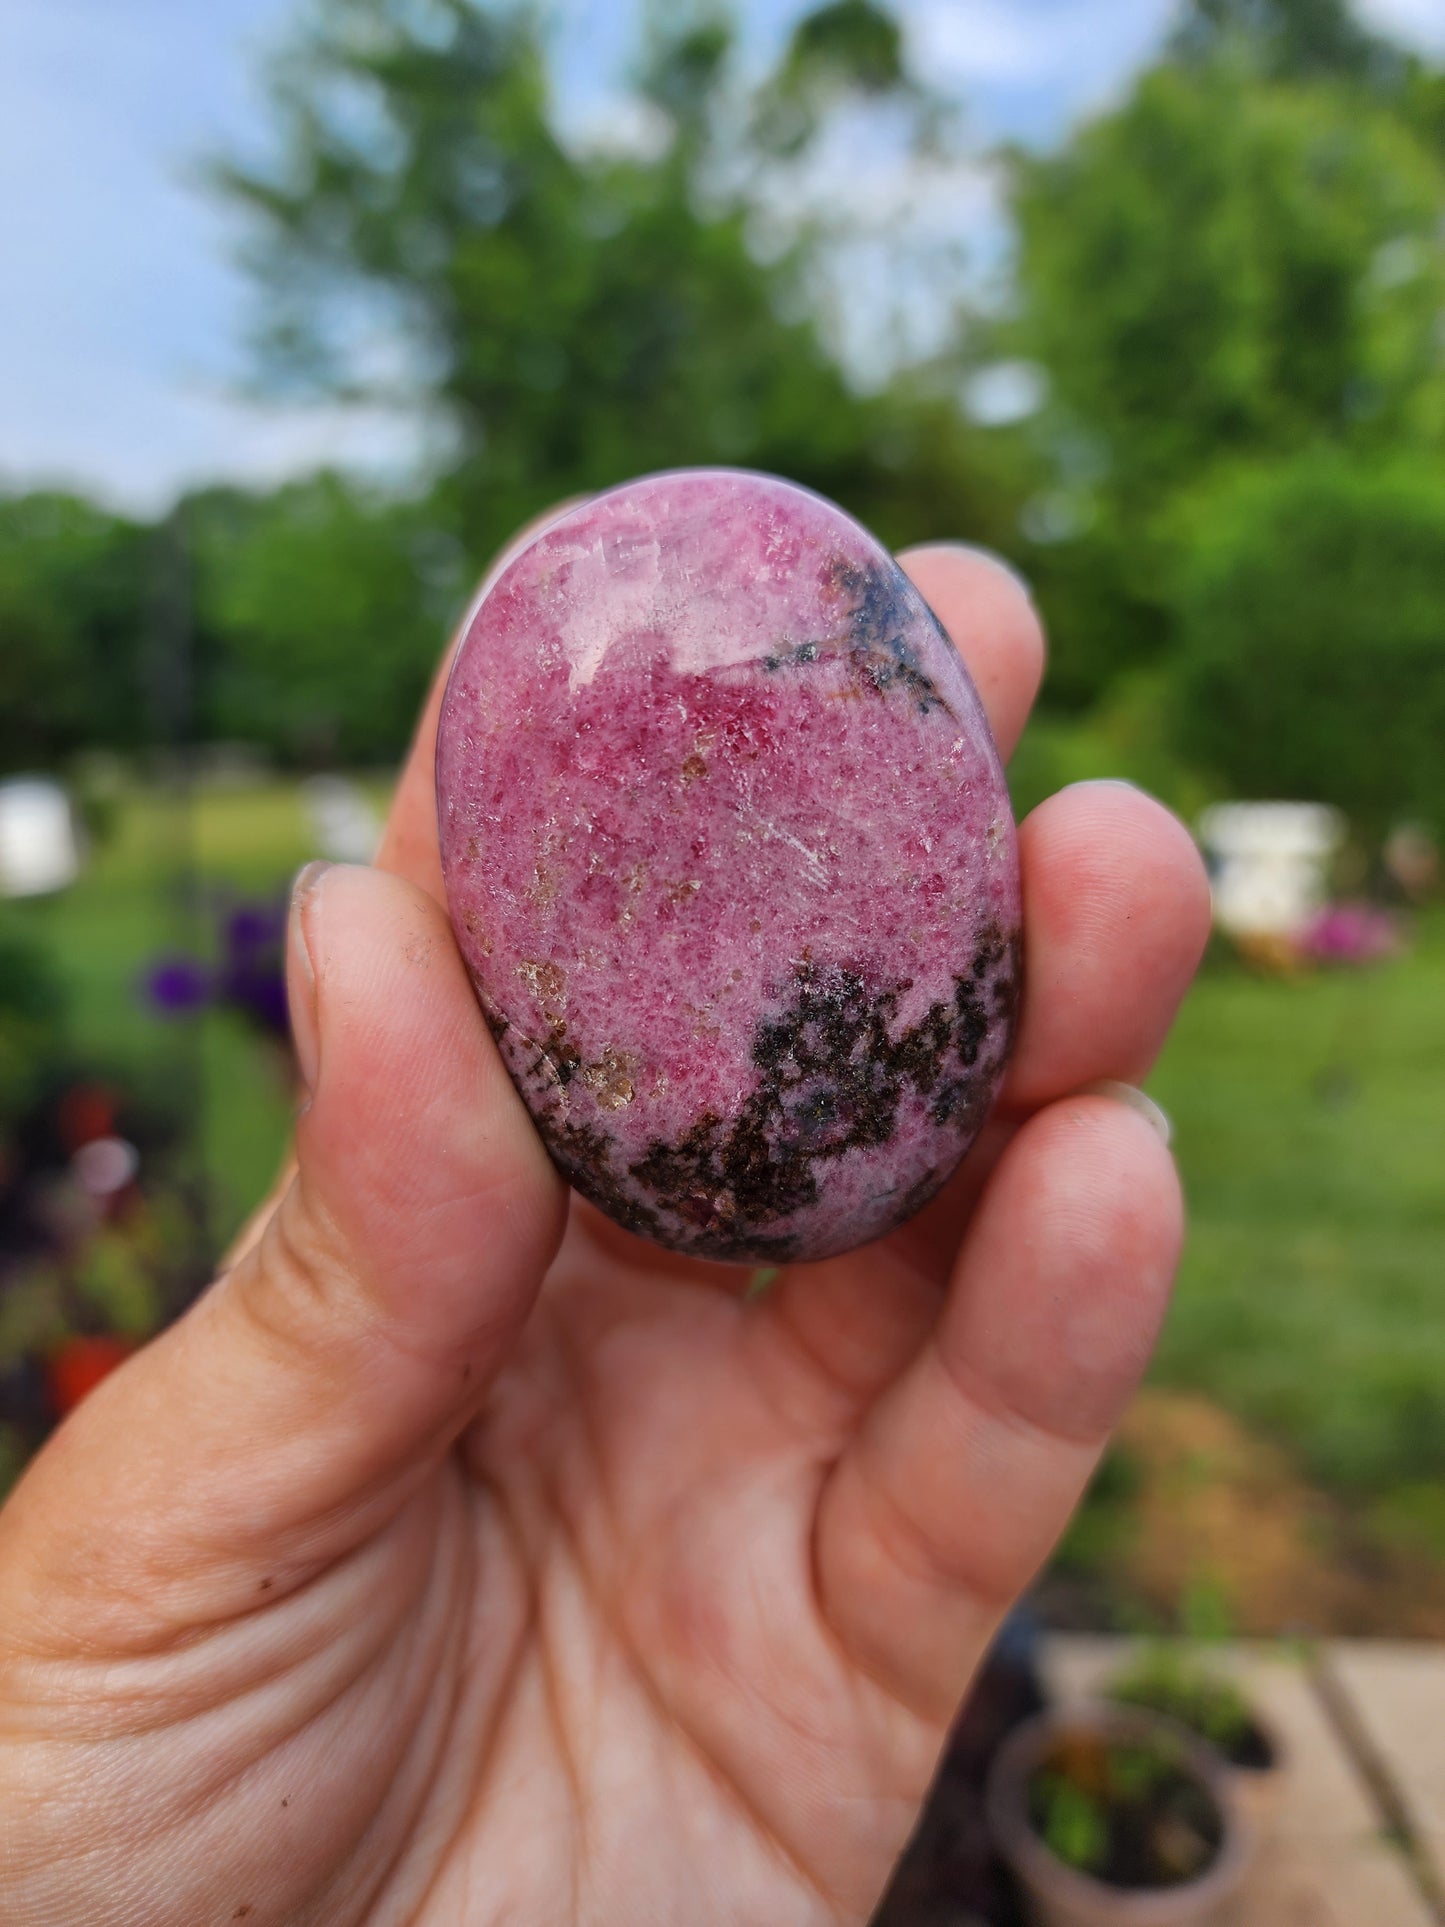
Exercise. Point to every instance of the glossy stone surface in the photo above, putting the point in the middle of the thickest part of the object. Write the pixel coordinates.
(730, 859)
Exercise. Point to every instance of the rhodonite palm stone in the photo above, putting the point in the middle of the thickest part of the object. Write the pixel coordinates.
(730, 859)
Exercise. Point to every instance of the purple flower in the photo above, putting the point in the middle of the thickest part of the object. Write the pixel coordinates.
(253, 927)
(249, 974)
(252, 973)
(258, 990)
(178, 986)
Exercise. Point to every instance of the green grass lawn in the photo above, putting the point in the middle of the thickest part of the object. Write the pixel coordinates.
(1309, 1117)
(1310, 1128)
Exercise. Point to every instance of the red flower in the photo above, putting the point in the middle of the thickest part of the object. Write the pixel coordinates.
(87, 1111)
(79, 1366)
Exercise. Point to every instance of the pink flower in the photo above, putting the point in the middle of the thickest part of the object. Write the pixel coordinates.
(1350, 933)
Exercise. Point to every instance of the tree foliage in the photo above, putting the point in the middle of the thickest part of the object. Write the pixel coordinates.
(1287, 39)
(1312, 606)
(74, 583)
(320, 610)
(1231, 266)
(852, 39)
(578, 317)
(1225, 268)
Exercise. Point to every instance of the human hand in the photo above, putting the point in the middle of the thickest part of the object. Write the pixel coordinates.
(459, 1558)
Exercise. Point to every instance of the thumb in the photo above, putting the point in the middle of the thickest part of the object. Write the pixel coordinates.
(296, 1406)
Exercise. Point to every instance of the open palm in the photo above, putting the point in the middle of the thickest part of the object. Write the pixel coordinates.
(459, 1559)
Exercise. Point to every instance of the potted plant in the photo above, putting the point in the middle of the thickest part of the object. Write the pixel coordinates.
(1111, 1816)
(1171, 1677)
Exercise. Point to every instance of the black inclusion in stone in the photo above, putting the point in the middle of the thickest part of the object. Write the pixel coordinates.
(874, 649)
(830, 1080)
(884, 607)
(584, 1157)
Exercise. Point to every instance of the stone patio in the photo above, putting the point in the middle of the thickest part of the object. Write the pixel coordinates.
(1360, 1835)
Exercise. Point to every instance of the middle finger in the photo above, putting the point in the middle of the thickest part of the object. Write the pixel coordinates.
(1115, 916)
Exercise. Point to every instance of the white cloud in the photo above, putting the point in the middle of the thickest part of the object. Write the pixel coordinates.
(1067, 54)
(1005, 392)
(1418, 23)
(151, 440)
(978, 40)
(1035, 65)
(621, 126)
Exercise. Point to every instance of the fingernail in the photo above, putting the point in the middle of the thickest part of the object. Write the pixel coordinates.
(1137, 1100)
(305, 1028)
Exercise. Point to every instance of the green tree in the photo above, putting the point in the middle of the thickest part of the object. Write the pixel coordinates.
(845, 48)
(1312, 606)
(573, 317)
(1297, 39)
(1230, 266)
(319, 611)
(74, 595)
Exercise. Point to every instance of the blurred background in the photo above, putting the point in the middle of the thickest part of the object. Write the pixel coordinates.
(309, 303)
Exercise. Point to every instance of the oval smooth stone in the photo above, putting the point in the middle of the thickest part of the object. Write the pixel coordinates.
(730, 859)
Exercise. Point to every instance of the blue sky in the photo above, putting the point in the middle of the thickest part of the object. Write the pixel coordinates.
(122, 319)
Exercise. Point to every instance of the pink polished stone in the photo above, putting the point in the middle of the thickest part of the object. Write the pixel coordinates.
(730, 859)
